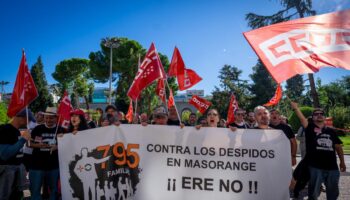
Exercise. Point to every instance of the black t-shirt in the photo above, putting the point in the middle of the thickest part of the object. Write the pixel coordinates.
(243, 125)
(320, 147)
(9, 135)
(42, 158)
(173, 122)
(287, 130)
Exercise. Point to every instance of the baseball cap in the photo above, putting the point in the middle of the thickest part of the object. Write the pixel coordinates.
(160, 111)
(77, 112)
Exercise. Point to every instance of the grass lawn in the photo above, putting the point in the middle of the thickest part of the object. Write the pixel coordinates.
(346, 143)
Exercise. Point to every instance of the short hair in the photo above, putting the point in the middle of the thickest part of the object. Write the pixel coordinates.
(274, 109)
(193, 114)
(110, 107)
(239, 110)
(256, 109)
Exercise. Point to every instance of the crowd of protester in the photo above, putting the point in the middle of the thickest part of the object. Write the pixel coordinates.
(34, 152)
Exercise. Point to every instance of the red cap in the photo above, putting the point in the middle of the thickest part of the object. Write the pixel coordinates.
(77, 112)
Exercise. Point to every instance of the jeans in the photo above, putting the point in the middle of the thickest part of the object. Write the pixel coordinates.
(36, 178)
(330, 179)
(10, 182)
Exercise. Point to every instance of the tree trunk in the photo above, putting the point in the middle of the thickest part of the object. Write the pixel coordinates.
(87, 102)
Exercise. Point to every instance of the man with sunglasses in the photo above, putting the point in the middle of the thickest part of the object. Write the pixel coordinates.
(239, 119)
(322, 144)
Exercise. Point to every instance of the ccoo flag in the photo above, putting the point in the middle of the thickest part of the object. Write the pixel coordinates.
(186, 78)
(304, 45)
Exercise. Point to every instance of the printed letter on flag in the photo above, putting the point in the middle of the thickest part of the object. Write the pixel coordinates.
(64, 110)
(201, 104)
(150, 70)
(232, 107)
(186, 78)
(276, 98)
(24, 91)
(303, 45)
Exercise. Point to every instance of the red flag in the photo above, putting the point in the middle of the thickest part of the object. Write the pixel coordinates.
(150, 70)
(160, 90)
(64, 110)
(24, 91)
(171, 101)
(303, 45)
(276, 98)
(232, 107)
(186, 78)
(129, 115)
(201, 104)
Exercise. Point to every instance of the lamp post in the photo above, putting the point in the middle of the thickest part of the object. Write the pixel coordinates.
(111, 43)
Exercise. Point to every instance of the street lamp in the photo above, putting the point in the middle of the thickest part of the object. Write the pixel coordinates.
(111, 43)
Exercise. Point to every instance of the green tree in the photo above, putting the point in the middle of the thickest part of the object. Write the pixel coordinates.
(73, 75)
(44, 99)
(230, 82)
(295, 87)
(263, 87)
(292, 9)
(3, 113)
(125, 66)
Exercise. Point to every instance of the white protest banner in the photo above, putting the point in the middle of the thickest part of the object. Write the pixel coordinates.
(167, 162)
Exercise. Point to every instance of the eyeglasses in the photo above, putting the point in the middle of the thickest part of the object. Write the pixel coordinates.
(318, 114)
(215, 114)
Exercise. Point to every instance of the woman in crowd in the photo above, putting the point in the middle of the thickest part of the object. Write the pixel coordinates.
(77, 121)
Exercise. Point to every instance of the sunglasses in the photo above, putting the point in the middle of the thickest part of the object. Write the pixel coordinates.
(318, 114)
(215, 114)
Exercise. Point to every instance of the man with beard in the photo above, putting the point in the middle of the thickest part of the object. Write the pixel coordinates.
(192, 119)
(275, 122)
(262, 117)
(45, 155)
(251, 120)
(322, 144)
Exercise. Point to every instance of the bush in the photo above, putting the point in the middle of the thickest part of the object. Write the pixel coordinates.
(3, 114)
(294, 120)
(341, 117)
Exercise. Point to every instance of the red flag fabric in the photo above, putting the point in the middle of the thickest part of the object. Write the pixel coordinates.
(171, 101)
(63, 111)
(129, 115)
(303, 45)
(276, 98)
(160, 90)
(232, 107)
(186, 78)
(24, 91)
(201, 104)
(150, 70)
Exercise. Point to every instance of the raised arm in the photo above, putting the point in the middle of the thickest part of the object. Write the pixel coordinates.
(300, 115)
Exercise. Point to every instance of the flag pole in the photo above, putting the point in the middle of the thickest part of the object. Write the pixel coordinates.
(27, 121)
(135, 108)
(54, 138)
(177, 112)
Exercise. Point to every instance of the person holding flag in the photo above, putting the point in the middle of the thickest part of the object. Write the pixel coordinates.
(12, 140)
(45, 155)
